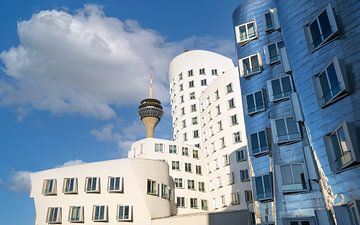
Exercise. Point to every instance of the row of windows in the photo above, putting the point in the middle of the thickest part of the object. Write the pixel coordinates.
(175, 165)
(92, 185)
(211, 115)
(233, 199)
(236, 138)
(225, 160)
(202, 71)
(193, 203)
(180, 183)
(99, 214)
(158, 189)
(173, 149)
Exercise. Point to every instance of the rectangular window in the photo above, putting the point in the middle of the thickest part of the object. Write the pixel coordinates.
(183, 124)
(246, 32)
(230, 178)
(285, 130)
(248, 196)
(280, 88)
(255, 102)
(182, 111)
(231, 103)
(191, 84)
(70, 186)
(219, 182)
(198, 170)
(322, 29)
(203, 82)
(202, 186)
(214, 72)
(259, 143)
(53, 215)
(204, 204)
(76, 214)
(300, 221)
(159, 147)
(330, 84)
(354, 212)
(116, 184)
(229, 88)
(195, 154)
(226, 160)
(244, 175)
(175, 165)
(263, 187)
(202, 71)
(181, 87)
(152, 187)
(250, 65)
(188, 167)
(49, 187)
(237, 137)
(216, 93)
(193, 108)
(220, 128)
(180, 202)
(172, 149)
(92, 185)
(179, 183)
(180, 76)
(124, 213)
(191, 184)
(272, 52)
(185, 151)
(223, 201)
(100, 213)
(185, 137)
(190, 73)
(192, 95)
(235, 198)
(193, 203)
(241, 155)
(342, 147)
(293, 178)
(194, 120)
(222, 143)
(234, 120)
(164, 191)
(196, 134)
(271, 20)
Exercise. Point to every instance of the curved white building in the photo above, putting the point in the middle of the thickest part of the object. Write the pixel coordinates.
(189, 74)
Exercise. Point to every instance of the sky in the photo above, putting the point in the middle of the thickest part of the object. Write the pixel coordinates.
(72, 74)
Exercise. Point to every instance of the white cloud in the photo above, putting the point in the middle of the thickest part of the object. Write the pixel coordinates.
(86, 63)
(72, 163)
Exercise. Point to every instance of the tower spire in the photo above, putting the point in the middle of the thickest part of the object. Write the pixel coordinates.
(150, 87)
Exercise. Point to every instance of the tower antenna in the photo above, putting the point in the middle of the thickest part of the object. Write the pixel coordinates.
(150, 87)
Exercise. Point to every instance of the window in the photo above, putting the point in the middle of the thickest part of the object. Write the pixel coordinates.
(300, 221)
(223, 200)
(215, 203)
(216, 164)
(330, 84)
(245, 32)
(214, 72)
(203, 82)
(231, 103)
(183, 123)
(185, 137)
(244, 175)
(195, 154)
(175, 165)
(182, 111)
(124, 213)
(92, 185)
(241, 155)
(76, 214)
(193, 108)
(182, 99)
(188, 167)
(196, 134)
(152, 187)
(202, 186)
(192, 95)
(280, 88)
(263, 187)
(191, 84)
(229, 88)
(180, 76)
(354, 212)
(342, 147)
(272, 52)
(285, 130)
(70, 186)
(248, 196)
(164, 191)
(49, 187)
(234, 120)
(237, 137)
(172, 149)
(235, 198)
(181, 87)
(204, 204)
(293, 178)
(185, 151)
(222, 143)
(100, 213)
(322, 29)
(259, 143)
(180, 202)
(255, 102)
(220, 128)
(226, 160)
(193, 203)
(116, 184)
(219, 182)
(190, 73)
(250, 65)
(197, 145)
(179, 183)
(198, 170)
(217, 96)
(191, 184)
(218, 110)
(159, 147)
(271, 20)
(230, 178)
(202, 71)
(53, 215)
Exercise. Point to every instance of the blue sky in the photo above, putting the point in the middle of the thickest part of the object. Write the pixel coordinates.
(72, 75)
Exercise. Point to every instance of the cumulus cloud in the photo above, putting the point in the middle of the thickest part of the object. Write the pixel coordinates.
(72, 163)
(87, 63)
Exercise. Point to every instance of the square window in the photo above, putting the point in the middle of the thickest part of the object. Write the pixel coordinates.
(280, 88)
(244, 175)
(271, 20)
(92, 185)
(272, 52)
(172, 149)
(246, 32)
(241, 155)
(76, 214)
(259, 143)
(194, 120)
(192, 95)
(70, 186)
(124, 213)
(179, 183)
(100, 213)
(250, 65)
(53, 215)
(285, 130)
(175, 165)
(180, 202)
(116, 184)
(263, 187)
(293, 178)
(159, 147)
(255, 102)
(49, 187)
(152, 187)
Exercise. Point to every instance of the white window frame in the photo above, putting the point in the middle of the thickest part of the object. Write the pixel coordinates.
(333, 25)
(235, 198)
(292, 188)
(274, 20)
(201, 186)
(283, 95)
(159, 147)
(95, 217)
(204, 204)
(262, 150)
(252, 70)
(193, 203)
(247, 39)
(273, 60)
(198, 169)
(191, 184)
(179, 183)
(180, 202)
(230, 178)
(288, 137)
(124, 208)
(67, 185)
(91, 189)
(172, 149)
(152, 187)
(188, 167)
(164, 191)
(79, 217)
(257, 108)
(342, 79)
(112, 184)
(237, 137)
(50, 187)
(54, 219)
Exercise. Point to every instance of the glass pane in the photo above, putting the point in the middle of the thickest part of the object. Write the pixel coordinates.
(333, 79)
(298, 173)
(251, 30)
(293, 223)
(262, 138)
(280, 128)
(343, 145)
(255, 63)
(325, 25)
(286, 86)
(315, 34)
(305, 222)
(259, 187)
(276, 88)
(246, 66)
(353, 216)
(259, 100)
(273, 54)
(267, 184)
(286, 175)
(325, 87)
(336, 146)
(268, 20)
(250, 102)
(292, 127)
(254, 143)
(243, 34)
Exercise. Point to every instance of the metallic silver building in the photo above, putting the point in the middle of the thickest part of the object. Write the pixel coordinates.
(299, 67)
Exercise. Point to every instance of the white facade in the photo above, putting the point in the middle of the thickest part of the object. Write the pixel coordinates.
(190, 73)
(224, 142)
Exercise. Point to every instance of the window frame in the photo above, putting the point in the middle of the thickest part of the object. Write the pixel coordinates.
(97, 185)
(293, 189)
(253, 70)
(244, 175)
(288, 140)
(237, 137)
(80, 214)
(53, 187)
(240, 159)
(274, 20)
(179, 182)
(267, 195)
(58, 219)
(130, 213)
(159, 147)
(106, 216)
(256, 107)
(121, 184)
(272, 60)
(247, 39)
(74, 189)
(283, 96)
(235, 198)
(153, 188)
(172, 150)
